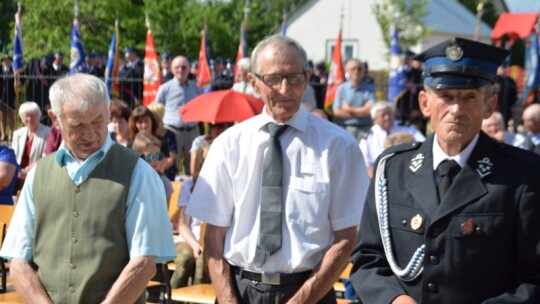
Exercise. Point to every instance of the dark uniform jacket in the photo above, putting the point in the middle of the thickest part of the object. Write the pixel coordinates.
(482, 242)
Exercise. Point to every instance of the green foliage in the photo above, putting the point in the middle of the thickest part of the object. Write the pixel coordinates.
(489, 14)
(407, 15)
(176, 24)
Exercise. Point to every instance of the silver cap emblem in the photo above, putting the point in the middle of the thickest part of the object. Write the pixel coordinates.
(454, 52)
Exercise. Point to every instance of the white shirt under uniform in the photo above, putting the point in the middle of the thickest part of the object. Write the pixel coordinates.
(324, 186)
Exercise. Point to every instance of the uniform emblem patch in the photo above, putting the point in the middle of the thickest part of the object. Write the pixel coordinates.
(484, 167)
(416, 162)
(417, 222)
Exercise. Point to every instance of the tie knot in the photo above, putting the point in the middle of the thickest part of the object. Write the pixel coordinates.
(276, 130)
(448, 167)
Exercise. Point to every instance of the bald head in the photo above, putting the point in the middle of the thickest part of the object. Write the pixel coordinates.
(531, 118)
(180, 68)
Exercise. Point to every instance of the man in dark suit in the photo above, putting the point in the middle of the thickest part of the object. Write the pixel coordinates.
(131, 86)
(468, 234)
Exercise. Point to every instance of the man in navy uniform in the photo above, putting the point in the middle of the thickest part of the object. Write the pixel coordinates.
(456, 218)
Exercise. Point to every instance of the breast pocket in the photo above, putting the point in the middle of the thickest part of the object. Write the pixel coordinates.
(407, 231)
(477, 241)
(307, 201)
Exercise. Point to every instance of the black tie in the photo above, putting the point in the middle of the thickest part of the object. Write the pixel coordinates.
(447, 170)
(270, 217)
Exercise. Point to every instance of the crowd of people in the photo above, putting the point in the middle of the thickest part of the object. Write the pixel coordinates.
(288, 197)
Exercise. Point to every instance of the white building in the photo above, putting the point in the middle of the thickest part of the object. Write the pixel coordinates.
(316, 25)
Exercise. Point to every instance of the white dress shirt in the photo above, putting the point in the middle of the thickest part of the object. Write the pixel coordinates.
(324, 187)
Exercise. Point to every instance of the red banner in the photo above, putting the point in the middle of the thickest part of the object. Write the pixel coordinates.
(152, 71)
(336, 75)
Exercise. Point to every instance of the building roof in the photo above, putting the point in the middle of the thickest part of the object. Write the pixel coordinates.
(451, 17)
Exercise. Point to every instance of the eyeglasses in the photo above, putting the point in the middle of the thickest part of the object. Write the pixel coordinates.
(151, 157)
(275, 80)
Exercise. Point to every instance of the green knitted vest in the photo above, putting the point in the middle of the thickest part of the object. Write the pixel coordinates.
(80, 245)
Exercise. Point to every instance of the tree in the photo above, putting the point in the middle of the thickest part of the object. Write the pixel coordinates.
(407, 15)
(489, 14)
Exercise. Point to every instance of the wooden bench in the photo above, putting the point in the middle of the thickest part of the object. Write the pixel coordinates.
(10, 297)
(199, 293)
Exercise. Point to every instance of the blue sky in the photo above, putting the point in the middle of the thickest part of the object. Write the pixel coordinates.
(523, 5)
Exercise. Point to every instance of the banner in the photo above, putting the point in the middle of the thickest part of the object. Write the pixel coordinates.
(532, 66)
(336, 75)
(111, 70)
(204, 77)
(77, 50)
(152, 70)
(242, 47)
(397, 81)
(18, 51)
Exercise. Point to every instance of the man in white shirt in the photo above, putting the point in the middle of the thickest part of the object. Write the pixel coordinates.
(322, 192)
(384, 124)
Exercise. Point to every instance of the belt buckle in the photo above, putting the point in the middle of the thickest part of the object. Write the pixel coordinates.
(271, 278)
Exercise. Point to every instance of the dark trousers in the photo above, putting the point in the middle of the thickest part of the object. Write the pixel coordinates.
(248, 292)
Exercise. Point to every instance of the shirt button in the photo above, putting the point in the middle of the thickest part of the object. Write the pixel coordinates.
(75, 213)
(434, 260)
(74, 240)
(72, 265)
(404, 223)
(71, 289)
(432, 288)
(77, 189)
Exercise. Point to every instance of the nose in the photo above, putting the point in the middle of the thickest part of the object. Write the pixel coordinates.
(284, 86)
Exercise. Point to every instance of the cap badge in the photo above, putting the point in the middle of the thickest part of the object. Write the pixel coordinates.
(454, 52)
(417, 222)
(467, 227)
(416, 162)
(484, 167)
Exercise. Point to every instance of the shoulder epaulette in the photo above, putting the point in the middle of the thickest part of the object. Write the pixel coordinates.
(402, 148)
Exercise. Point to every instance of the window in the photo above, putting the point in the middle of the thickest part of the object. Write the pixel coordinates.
(349, 49)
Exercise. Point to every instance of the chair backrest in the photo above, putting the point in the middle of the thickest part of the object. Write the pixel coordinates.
(174, 211)
(2, 232)
(346, 273)
(6, 213)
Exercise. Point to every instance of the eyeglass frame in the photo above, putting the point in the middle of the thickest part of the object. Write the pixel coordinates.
(151, 157)
(281, 77)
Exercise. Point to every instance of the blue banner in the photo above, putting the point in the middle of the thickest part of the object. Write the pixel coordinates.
(111, 71)
(397, 81)
(532, 66)
(77, 50)
(18, 52)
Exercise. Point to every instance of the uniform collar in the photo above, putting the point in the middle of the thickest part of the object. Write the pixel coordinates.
(439, 155)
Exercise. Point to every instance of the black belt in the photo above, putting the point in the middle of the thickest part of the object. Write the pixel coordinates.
(189, 128)
(274, 278)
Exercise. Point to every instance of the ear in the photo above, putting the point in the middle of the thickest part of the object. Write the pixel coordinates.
(491, 105)
(54, 119)
(253, 80)
(423, 102)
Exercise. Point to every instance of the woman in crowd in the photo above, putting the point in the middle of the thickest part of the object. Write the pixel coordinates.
(119, 121)
(29, 141)
(170, 167)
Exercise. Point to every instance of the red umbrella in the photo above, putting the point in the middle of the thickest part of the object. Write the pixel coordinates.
(221, 107)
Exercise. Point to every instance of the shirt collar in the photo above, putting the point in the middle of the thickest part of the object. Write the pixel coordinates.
(63, 156)
(297, 121)
(439, 156)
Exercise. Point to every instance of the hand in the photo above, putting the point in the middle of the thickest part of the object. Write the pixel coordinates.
(197, 251)
(404, 299)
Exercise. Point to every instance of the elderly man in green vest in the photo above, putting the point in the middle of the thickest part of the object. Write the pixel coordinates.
(91, 221)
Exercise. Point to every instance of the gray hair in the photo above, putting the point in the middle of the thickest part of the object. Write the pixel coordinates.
(498, 117)
(244, 64)
(83, 91)
(280, 42)
(378, 106)
(29, 107)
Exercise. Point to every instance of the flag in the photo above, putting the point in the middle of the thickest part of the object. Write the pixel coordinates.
(397, 81)
(532, 64)
(152, 70)
(111, 70)
(336, 75)
(77, 50)
(242, 47)
(283, 31)
(18, 52)
(204, 77)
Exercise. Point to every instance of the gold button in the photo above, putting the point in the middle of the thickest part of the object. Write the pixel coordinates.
(71, 289)
(72, 265)
(77, 189)
(75, 213)
(74, 240)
